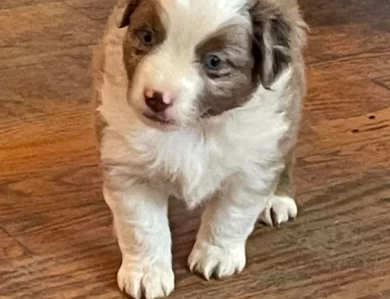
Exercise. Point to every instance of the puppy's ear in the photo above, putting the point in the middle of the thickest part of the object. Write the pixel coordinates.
(124, 10)
(278, 30)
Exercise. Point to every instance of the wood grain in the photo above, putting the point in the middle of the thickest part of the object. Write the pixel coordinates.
(56, 238)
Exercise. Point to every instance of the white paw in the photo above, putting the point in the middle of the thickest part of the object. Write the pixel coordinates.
(210, 260)
(280, 209)
(151, 281)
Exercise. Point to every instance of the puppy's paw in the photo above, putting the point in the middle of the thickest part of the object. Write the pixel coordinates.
(210, 260)
(151, 281)
(279, 210)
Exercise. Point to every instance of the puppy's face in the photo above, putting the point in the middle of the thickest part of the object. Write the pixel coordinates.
(188, 60)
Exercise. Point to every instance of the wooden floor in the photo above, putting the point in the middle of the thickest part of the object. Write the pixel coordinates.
(55, 229)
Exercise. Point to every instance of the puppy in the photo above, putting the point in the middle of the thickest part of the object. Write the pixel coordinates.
(199, 100)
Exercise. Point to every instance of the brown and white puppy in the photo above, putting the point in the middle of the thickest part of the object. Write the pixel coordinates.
(199, 100)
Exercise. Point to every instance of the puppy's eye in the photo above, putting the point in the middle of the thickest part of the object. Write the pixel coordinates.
(212, 63)
(215, 66)
(146, 36)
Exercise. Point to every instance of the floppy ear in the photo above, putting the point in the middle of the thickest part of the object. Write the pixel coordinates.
(277, 29)
(123, 11)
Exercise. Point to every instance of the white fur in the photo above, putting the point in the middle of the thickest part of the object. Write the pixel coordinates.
(237, 157)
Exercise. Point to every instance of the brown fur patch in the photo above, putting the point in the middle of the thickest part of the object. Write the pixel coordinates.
(277, 31)
(100, 125)
(96, 101)
(146, 16)
(233, 44)
(124, 9)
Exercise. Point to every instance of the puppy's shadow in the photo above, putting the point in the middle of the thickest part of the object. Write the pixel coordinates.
(184, 227)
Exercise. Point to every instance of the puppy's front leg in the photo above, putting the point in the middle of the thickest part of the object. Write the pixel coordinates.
(227, 221)
(142, 229)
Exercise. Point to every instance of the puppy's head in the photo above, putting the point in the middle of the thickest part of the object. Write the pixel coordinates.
(188, 60)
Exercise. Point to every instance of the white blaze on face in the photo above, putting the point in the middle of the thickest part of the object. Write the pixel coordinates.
(173, 66)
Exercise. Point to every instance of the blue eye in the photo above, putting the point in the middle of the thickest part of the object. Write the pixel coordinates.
(212, 62)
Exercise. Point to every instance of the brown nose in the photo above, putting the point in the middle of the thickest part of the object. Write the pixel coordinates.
(157, 101)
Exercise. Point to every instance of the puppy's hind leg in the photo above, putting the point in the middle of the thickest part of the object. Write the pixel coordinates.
(282, 206)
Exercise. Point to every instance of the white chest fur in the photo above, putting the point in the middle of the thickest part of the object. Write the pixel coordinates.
(194, 162)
